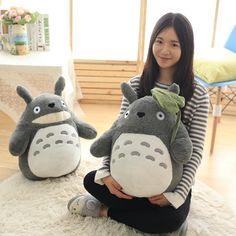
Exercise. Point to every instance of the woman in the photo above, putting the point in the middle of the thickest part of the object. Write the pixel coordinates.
(169, 60)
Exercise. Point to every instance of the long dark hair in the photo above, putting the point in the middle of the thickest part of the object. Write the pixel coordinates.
(183, 75)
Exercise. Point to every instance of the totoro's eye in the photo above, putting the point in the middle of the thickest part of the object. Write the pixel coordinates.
(63, 103)
(37, 110)
(160, 115)
(126, 114)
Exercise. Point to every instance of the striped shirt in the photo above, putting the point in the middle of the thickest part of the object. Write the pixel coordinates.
(195, 120)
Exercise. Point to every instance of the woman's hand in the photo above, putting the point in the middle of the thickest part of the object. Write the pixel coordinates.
(159, 200)
(114, 187)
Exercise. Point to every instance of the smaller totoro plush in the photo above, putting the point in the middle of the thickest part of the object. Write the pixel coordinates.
(47, 136)
(148, 144)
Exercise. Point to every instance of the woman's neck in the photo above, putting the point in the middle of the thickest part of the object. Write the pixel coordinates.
(166, 76)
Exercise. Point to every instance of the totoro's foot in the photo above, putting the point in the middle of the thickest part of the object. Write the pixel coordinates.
(84, 205)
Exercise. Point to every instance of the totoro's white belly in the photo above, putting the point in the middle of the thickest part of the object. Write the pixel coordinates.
(141, 164)
(54, 151)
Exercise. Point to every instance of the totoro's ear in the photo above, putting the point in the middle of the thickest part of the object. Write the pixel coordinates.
(128, 92)
(174, 88)
(59, 86)
(22, 92)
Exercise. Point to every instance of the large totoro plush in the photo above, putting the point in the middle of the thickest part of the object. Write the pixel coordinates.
(148, 144)
(46, 138)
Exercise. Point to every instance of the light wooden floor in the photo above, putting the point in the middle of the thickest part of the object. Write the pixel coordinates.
(217, 171)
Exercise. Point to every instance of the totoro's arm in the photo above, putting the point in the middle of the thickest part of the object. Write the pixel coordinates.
(102, 146)
(85, 130)
(19, 140)
(181, 148)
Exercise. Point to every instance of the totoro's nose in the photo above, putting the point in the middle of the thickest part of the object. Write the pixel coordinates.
(51, 105)
(140, 114)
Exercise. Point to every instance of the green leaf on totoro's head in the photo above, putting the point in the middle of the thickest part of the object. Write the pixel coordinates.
(169, 101)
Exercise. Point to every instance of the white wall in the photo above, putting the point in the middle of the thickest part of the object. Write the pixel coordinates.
(106, 29)
(226, 21)
(199, 12)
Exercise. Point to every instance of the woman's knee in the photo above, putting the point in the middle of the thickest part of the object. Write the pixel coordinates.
(89, 180)
(166, 224)
(176, 223)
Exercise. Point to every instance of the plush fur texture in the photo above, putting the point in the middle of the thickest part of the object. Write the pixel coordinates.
(148, 145)
(47, 136)
(40, 208)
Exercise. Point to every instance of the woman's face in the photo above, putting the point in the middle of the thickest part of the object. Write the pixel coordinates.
(166, 48)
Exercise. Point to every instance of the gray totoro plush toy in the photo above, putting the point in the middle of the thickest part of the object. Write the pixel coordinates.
(148, 144)
(46, 138)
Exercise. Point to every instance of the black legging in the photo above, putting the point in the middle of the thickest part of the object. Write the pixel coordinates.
(138, 213)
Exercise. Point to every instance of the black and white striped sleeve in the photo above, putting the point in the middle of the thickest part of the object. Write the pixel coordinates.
(195, 117)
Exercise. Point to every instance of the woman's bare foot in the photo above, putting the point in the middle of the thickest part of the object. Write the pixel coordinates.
(103, 211)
